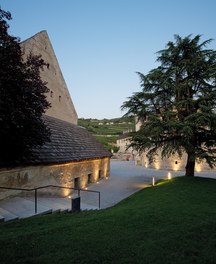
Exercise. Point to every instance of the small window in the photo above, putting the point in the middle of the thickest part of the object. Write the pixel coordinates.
(176, 162)
(77, 183)
(47, 65)
(89, 178)
(59, 98)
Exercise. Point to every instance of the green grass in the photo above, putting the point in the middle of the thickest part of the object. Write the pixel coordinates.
(173, 222)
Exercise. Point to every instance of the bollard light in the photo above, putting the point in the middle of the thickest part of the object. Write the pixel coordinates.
(153, 181)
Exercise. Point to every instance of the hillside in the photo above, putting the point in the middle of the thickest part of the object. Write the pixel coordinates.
(107, 131)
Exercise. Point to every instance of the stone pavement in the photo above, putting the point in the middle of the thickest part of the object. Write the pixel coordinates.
(125, 179)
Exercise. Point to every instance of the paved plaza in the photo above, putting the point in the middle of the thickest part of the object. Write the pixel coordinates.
(125, 179)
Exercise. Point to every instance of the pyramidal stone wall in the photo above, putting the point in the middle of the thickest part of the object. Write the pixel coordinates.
(61, 103)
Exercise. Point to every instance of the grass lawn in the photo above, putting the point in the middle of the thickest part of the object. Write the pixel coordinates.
(173, 222)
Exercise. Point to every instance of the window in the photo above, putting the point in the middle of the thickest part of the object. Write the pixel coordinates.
(89, 178)
(99, 174)
(77, 183)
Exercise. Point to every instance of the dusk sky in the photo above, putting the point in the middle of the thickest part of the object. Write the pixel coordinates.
(101, 44)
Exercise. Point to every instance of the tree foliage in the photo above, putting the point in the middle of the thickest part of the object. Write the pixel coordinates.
(177, 103)
(22, 99)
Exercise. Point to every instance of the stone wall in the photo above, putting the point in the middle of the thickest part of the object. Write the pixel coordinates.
(174, 163)
(72, 174)
(61, 104)
(124, 153)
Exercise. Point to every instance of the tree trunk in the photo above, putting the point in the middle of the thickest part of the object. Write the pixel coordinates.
(190, 165)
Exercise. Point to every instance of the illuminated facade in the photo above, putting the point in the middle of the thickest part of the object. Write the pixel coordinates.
(72, 174)
(174, 163)
(73, 158)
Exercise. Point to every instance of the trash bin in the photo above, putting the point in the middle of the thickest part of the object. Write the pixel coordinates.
(75, 204)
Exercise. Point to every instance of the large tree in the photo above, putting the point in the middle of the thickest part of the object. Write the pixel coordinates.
(177, 104)
(22, 99)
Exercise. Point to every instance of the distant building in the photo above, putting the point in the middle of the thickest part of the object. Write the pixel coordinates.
(125, 152)
(73, 158)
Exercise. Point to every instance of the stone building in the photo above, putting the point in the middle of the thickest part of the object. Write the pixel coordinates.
(73, 158)
(174, 163)
(124, 152)
(59, 97)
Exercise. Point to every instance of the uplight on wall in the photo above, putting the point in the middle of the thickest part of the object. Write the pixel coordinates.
(169, 176)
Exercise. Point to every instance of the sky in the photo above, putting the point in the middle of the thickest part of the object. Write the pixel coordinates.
(102, 44)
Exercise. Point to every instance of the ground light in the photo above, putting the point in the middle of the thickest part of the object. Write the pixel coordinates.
(169, 176)
(153, 181)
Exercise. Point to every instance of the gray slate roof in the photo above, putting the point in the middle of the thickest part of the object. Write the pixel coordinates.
(69, 142)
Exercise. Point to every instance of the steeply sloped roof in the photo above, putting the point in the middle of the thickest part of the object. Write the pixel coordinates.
(69, 142)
